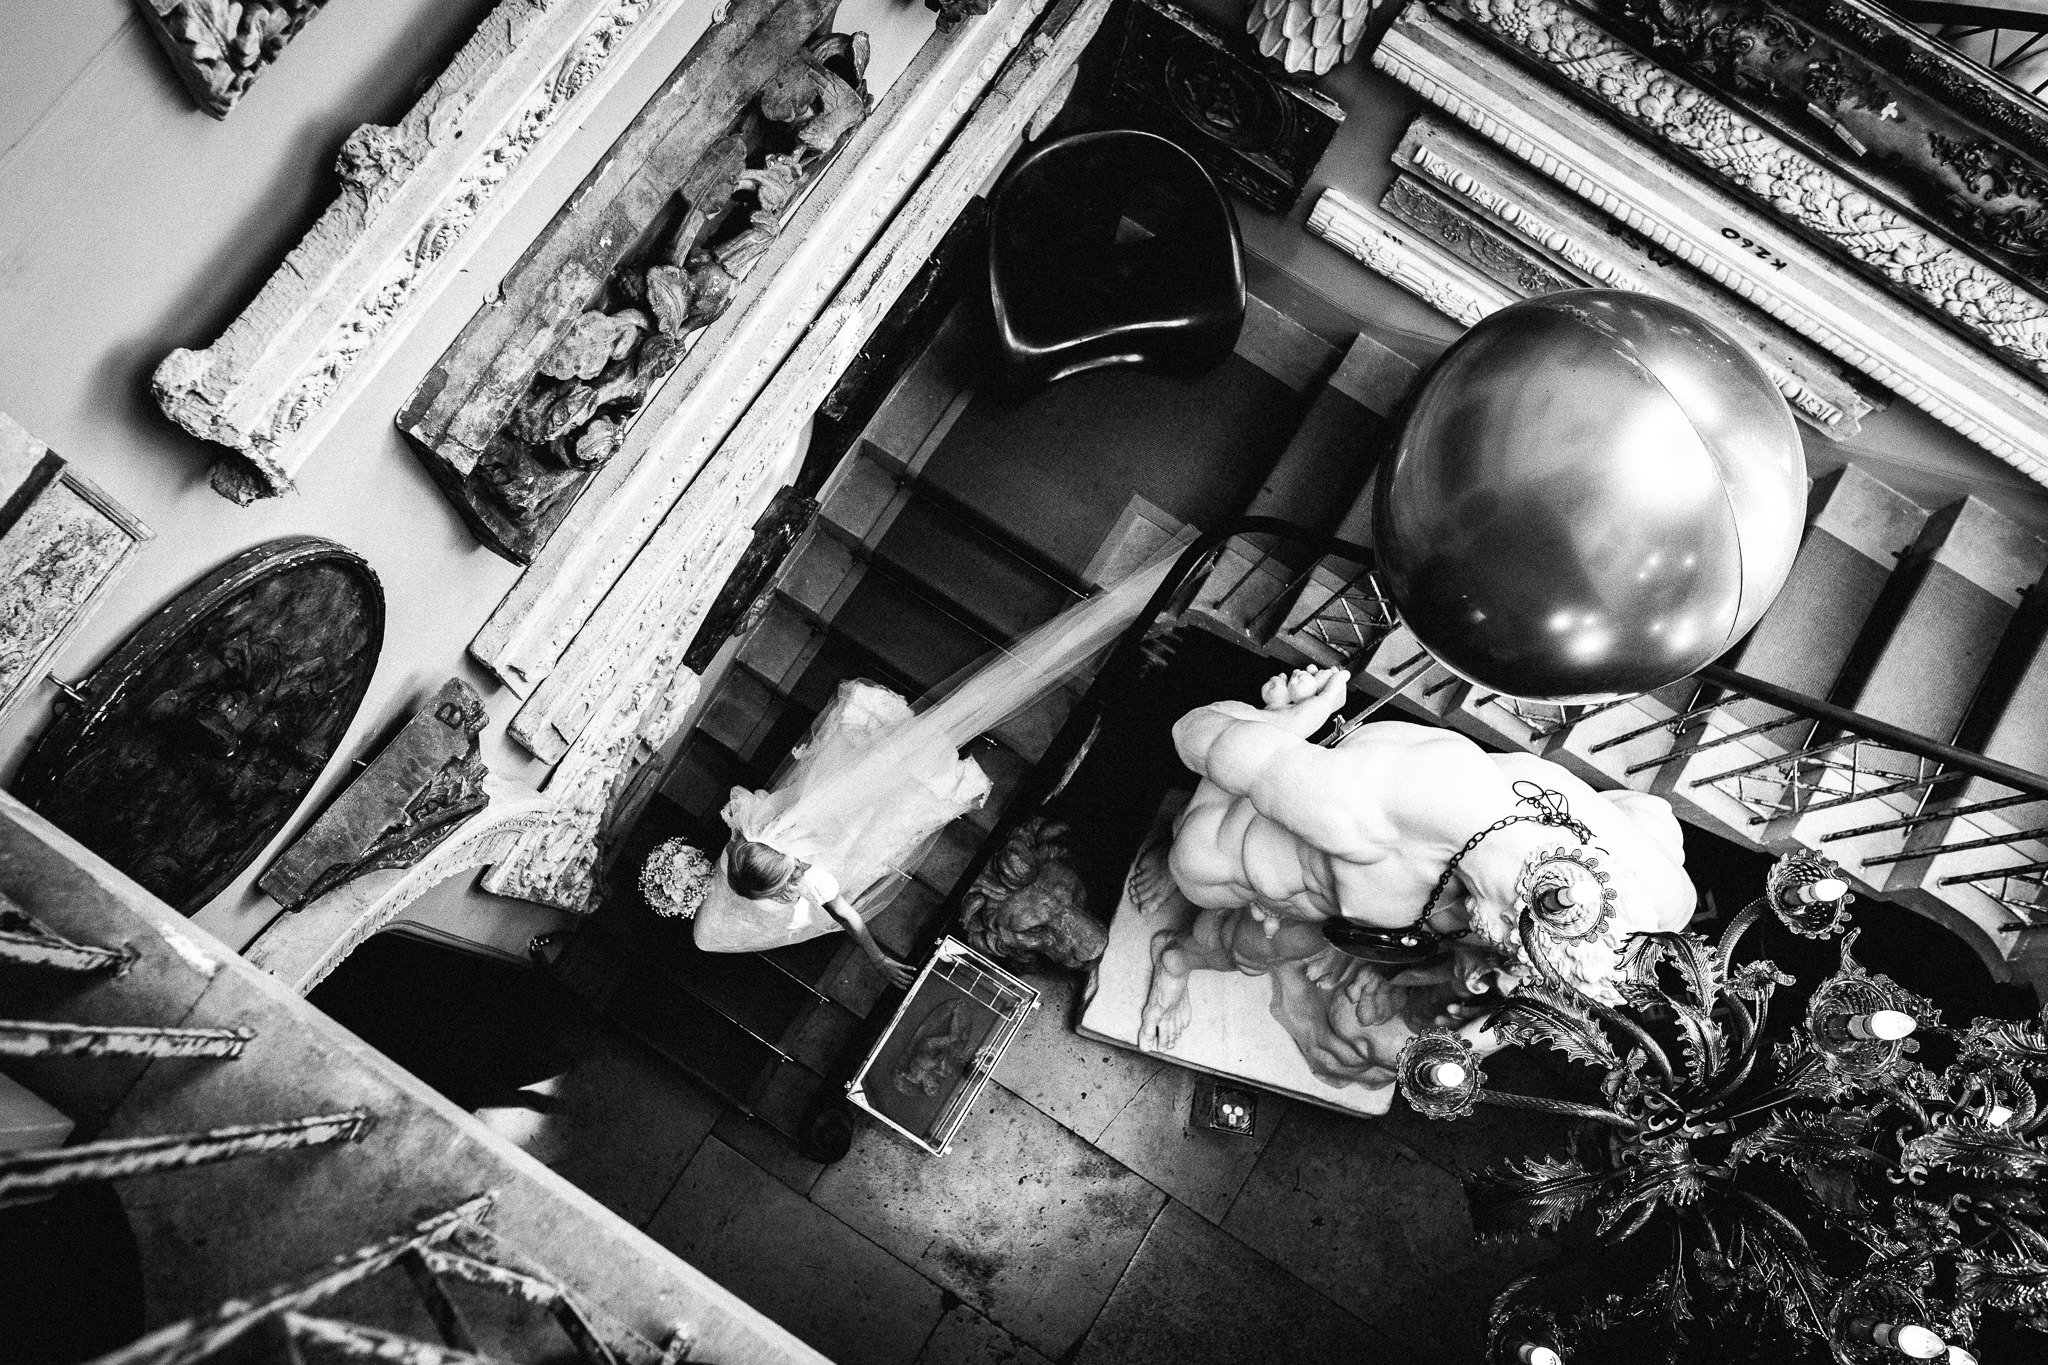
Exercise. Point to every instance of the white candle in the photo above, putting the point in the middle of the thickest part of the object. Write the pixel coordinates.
(1910, 1340)
(1958, 1356)
(1826, 889)
(1532, 1354)
(1882, 1025)
(1447, 1075)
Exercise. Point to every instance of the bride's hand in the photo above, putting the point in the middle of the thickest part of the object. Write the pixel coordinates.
(899, 973)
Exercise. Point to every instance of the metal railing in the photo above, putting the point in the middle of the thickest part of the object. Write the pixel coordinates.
(451, 1247)
(1921, 791)
(1802, 755)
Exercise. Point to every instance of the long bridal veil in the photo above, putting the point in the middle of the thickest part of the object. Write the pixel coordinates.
(868, 793)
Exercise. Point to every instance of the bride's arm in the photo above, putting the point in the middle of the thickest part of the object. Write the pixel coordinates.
(899, 973)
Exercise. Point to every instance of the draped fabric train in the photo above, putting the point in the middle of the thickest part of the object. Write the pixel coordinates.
(875, 782)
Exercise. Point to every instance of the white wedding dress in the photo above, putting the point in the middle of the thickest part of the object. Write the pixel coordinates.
(874, 783)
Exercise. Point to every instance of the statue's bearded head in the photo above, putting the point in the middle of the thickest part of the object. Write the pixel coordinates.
(1572, 907)
(1030, 904)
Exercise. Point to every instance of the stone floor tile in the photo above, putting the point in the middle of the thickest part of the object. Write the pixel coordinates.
(795, 1262)
(1078, 1082)
(1384, 1233)
(623, 1123)
(1200, 1168)
(1195, 1295)
(1021, 1219)
(965, 1337)
(768, 1149)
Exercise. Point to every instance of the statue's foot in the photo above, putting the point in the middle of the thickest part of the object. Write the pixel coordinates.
(1329, 969)
(1167, 1011)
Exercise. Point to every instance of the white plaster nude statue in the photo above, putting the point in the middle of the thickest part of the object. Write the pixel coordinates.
(1284, 834)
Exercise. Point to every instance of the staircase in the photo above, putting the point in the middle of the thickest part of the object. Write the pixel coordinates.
(899, 581)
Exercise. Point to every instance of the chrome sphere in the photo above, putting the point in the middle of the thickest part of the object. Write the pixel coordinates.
(1595, 493)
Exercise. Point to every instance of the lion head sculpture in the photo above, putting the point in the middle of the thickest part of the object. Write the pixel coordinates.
(1029, 905)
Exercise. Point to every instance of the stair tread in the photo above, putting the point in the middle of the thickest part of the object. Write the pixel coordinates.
(1857, 529)
(1937, 624)
(950, 559)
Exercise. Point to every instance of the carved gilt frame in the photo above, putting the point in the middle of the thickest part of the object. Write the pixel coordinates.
(619, 692)
(1978, 183)
(690, 141)
(1749, 251)
(682, 423)
(1393, 250)
(415, 200)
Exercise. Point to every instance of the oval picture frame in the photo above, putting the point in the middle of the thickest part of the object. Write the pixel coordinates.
(181, 756)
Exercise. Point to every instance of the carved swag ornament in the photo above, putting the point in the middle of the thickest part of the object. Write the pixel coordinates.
(728, 209)
(220, 47)
(1992, 191)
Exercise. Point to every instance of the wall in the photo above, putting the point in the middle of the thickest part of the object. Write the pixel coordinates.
(131, 223)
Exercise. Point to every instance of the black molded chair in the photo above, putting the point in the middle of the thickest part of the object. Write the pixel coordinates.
(1113, 248)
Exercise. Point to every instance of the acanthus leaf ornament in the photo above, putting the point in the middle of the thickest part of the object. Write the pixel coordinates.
(1803, 1192)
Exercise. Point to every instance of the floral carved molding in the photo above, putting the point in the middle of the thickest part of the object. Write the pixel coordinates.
(1987, 187)
(1396, 252)
(415, 199)
(1758, 252)
(1746, 155)
(221, 46)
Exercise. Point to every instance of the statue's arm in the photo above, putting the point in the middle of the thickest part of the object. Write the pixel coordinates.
(1393, 782)
(1288, 780)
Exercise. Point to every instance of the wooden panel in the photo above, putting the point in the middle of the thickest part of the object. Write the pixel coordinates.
(63, 543)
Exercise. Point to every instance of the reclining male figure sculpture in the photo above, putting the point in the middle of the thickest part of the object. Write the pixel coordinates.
(1284, 834)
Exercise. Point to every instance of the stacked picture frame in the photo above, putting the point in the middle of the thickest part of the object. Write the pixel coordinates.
(1857, 201)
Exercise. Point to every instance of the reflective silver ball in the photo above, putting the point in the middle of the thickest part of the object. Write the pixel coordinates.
(1595, 493)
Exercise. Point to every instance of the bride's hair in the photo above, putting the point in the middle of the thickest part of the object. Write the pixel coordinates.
(756, 871)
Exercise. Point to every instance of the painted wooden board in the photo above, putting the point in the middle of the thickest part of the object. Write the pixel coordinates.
(413, 794)
(63, 543)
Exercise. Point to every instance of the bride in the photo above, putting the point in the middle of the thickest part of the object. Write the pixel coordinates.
(869, 790)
